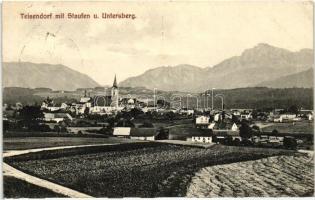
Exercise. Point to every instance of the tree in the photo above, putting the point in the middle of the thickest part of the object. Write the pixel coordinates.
(111, 122)
(146, 124)
(125, 123)
(235, 119)
(222, 125)
(86, 111)
(223, 115)
(293, 109)
(254, 114)
(163, 134)
(275, 131)
(135, 112)
(256, 128)
(170, 115)
(30, 116)
(245, 130)
(57, 128)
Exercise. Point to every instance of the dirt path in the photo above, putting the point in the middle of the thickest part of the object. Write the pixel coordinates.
(186, 143)
(10, 171)
(263, 125)
(269, 177)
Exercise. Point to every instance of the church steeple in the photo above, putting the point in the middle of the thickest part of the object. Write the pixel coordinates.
(115, 83)
(115, 94)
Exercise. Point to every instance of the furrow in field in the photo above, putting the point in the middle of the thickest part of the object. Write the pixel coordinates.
(273, 176)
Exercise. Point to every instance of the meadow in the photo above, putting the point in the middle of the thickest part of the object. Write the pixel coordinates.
(20, 143)
(303, 127)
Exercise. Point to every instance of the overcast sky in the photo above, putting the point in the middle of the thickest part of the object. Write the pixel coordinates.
(163, 34)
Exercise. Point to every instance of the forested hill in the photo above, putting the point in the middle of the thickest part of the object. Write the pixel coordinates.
(262, 97)
(255, 97)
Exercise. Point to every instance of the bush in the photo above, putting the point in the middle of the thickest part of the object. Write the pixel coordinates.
(146, 124)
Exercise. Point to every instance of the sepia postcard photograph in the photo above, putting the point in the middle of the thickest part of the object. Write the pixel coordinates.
(152, 99)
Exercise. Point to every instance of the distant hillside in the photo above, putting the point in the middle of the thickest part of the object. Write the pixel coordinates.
(303, 79)
(56, 77)
(255, 97)
(23, 95)
(180, 77)
(261, 63)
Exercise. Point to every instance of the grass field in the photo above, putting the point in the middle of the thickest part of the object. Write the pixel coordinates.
(10, 134)
(277, 176)
(20, 143)
(134, 169)
(296, 127)
(16, 188)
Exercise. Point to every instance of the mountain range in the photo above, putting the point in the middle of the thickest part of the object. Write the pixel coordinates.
(262, 65)
(56, 77)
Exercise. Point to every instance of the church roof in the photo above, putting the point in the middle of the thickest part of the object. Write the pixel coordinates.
(115, 83)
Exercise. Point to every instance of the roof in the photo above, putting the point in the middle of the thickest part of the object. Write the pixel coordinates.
(226, 126)
(122, 131)
(62, 115)
(85, 99)
(143, 132)
(225, 133)
(189, 132)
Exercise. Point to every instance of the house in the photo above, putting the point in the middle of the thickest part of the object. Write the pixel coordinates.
(238, 111)
(128, 103)
(202, 121)
(307, 114)
(288, 116)
(187, 112)
(148, 109)
(200, 135)
(202, 138)
(101, 110)
(217, 117)
(234, 127)
(285, 117)
(48, 104)
(136, 133)
(246, 116)
(224, 127)
(211, 126)
(143, 134)
(221, 135)
(190, 134)
(310, 117)
(122, 131)
(56, 117)
(87, 101)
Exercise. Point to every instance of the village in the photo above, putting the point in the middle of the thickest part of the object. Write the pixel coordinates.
(156, 119)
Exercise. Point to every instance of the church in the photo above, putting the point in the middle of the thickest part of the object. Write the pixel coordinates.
(108, 103)
(114, 94)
